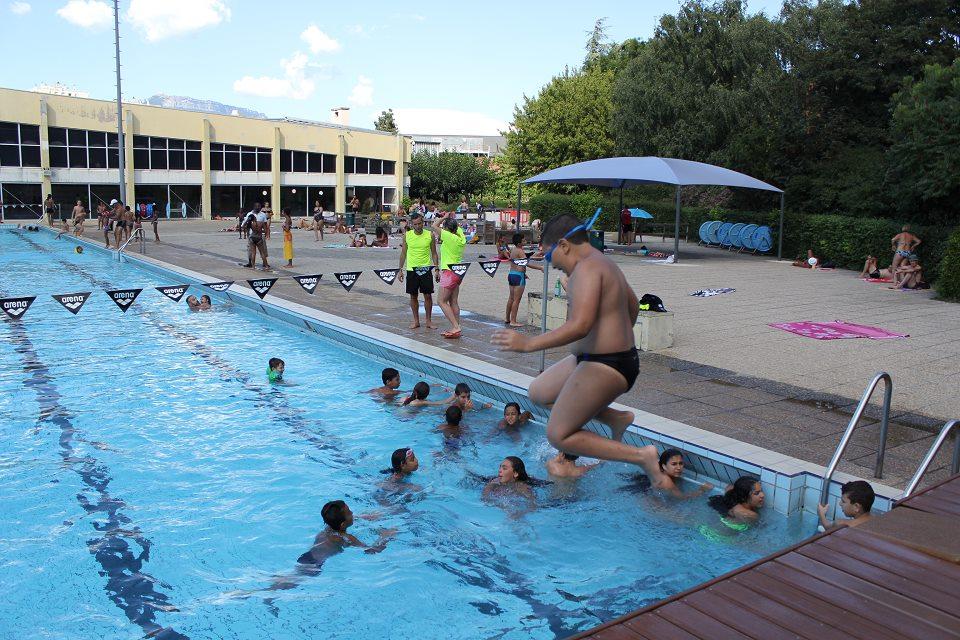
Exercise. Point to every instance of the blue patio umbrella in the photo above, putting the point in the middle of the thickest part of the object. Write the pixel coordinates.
(640, 213)
(627, 172)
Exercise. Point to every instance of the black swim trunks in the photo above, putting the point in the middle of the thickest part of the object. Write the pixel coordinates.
(626, 363)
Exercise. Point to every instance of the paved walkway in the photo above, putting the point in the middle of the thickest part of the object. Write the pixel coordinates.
(728, 373)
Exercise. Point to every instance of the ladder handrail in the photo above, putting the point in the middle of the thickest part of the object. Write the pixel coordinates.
(136, 232)
(927, 459)
(852, 425)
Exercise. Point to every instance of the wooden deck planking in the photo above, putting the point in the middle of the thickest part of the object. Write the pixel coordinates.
(846, 584)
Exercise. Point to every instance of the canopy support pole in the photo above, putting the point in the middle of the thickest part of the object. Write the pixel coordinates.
(543, 312)
(780, 240)
(620, 211)
(676, 230)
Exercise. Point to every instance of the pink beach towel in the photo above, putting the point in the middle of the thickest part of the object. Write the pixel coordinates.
(837, 330)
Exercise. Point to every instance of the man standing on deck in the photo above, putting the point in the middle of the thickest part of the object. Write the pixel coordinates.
(418, 256)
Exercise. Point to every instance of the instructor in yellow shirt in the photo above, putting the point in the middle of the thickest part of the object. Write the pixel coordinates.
(418, 257)
(452, 242)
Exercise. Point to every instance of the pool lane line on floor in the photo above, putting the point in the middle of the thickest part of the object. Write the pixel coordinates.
(551, 613)
(130, 588)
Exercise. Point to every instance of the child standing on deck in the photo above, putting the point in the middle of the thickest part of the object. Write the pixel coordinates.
(603, 364)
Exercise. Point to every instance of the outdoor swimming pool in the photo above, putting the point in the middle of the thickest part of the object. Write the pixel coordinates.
(154, 482)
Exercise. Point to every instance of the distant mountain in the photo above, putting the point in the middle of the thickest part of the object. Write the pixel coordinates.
(207, 106)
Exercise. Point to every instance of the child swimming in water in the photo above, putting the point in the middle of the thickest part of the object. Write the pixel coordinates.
(461, 398)
(856, 500)
(564, 465)
(513, 417)
(511, 479)
(275, 369)
(419, 397)
(403, 462)
(741, 503)
(671, 466)
(391, 383)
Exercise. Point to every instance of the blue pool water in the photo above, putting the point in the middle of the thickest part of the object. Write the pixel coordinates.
(152, 482)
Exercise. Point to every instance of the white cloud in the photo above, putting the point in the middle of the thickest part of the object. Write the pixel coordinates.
(447, 122)
(294, 84)
(318, 41)
(88, 14)
(355, 29)
(362, 94)
(19, 8)
(159, 19)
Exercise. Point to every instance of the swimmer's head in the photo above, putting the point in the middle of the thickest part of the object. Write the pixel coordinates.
(856, 498)
(747, 491)
(390, 377)
(404, 460)
(462, 392)
(337, 515)
(205, 299)
(512, 469)
(511, 414)
(276, 364)
(420, 392)
(671, 463)
(192, 301)
(454, 415)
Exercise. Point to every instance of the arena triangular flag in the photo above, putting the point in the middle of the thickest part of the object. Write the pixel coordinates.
(348, 279)
(387, 275)
(175, 292)
(422, 271)
(72, 301)
(261, 286)
(460, 268)
(490, 266)
(309, 283)
(219, 286)
(520, 262)
(16, 307)
(124, 297)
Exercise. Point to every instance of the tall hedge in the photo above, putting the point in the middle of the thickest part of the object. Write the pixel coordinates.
(948, 281)
(844, 240)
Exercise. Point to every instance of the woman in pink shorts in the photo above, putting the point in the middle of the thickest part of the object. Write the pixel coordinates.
(452, 242)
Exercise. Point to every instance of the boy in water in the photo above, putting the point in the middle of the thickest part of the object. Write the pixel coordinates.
(391, 383)
(275, 369)
(564, 465)
(461, 398)
(453, 416)
(856, 500)
(603, 364)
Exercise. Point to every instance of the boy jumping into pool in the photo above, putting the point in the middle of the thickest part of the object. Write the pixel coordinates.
(603, 363)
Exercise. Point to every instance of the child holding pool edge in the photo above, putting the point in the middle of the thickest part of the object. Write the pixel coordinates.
(671, 465)
(856, 500)
(603, 364)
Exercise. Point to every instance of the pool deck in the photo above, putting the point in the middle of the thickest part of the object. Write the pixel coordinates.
(897, 576)
(706, 381)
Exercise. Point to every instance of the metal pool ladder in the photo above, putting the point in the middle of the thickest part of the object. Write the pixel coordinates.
(925, 464)
(852, 425)
(137, 234)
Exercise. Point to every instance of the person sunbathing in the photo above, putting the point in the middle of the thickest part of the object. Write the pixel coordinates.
(811, 261)
(359, 240)
(871, 270)
(381, 239)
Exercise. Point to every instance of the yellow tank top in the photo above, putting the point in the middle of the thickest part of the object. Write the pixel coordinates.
(418, 249)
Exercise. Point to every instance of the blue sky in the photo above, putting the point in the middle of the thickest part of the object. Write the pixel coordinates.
(443, 67)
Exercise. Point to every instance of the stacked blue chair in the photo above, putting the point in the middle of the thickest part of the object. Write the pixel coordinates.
(736, 235)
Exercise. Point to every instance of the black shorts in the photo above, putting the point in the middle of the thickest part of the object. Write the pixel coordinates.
(419, 283)
(626, 227)
(626, 363)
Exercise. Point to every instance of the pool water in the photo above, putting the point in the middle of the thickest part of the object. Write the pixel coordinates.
(154, 483)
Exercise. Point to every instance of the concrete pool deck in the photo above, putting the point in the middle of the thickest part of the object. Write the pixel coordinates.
(738, 378)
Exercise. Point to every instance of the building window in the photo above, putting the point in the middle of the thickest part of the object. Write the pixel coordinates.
(349, 164)
(264, 160)
(314, 163)
(329, 163)
(286, 161)
(248, 159)
(389, 167)
(307, 162)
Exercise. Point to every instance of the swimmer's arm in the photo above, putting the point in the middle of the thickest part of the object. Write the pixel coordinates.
(525, 417)
(381, 543)
(824, 522)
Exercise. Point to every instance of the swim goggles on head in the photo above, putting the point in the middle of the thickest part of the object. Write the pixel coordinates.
(548, 256)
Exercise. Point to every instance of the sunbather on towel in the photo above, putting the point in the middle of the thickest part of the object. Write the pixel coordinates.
(871, 270)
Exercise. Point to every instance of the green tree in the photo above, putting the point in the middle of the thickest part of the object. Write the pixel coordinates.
(568, 121)
(703, 88)
(385, 122)
(447, 176)
(598, 43)
(924, 159)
